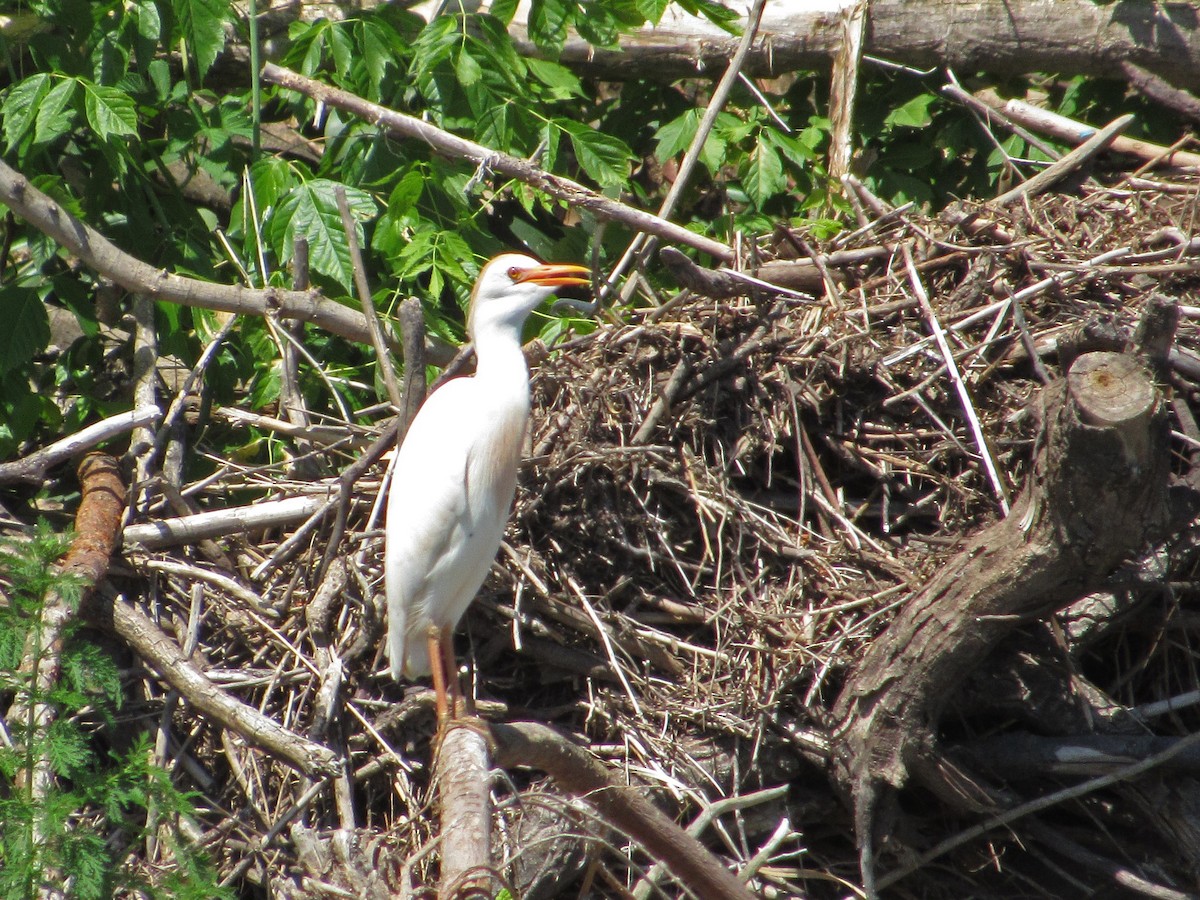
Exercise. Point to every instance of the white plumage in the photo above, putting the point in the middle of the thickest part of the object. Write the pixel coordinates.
(453, 481)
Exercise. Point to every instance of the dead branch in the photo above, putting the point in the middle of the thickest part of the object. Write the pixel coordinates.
(1162, 91)
(582, 775)
(32, 469)
(1064, 129)
(463, 785)
(1017, 755)
(1074, 36)
(116, 614)
(222, 522)
(1073, 161)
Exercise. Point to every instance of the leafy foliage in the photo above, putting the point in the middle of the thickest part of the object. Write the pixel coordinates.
(115, 111)
(96, 798)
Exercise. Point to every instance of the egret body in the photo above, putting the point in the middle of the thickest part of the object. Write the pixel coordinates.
(455, 474)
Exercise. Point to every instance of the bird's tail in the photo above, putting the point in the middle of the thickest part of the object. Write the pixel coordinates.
(408, 658)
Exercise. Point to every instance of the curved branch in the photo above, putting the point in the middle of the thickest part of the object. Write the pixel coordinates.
(582, 775)
(101, 255)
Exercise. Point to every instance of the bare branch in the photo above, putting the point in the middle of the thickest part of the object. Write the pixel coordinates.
(131, 273)
(220, 522)
(453, 146)
(33, 467)
(582, 775)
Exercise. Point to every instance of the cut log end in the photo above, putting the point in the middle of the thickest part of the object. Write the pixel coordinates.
(1112, 390)
(1115, 391)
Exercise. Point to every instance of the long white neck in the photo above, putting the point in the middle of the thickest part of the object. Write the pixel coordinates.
(500, 362)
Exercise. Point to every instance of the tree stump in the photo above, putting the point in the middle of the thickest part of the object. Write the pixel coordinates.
(1095, 494)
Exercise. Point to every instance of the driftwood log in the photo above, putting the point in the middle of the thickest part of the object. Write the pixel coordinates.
(1096, 494)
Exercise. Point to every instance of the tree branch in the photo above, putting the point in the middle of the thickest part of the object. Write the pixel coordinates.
(579, 773)
(131, 273)
(571, 192)
(33, 468)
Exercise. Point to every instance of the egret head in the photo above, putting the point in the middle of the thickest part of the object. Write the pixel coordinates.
(512, 285)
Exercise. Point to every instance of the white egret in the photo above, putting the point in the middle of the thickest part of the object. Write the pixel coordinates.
(455, 474)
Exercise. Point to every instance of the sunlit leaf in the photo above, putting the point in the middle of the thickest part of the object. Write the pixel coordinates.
(914, 113)
(56, 113)
(653, 9)
(564, 82)
(604, 157)
(676, 136)
(549, 20)
(21, 107)
(110, 112)
(762, 175)
(311, 210)
(467, 69)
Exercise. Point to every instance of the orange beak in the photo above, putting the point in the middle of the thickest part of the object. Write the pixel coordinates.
(556, 275)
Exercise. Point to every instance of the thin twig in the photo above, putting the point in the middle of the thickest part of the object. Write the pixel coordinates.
(33, 468)
(383, 359)
(1076, 159)
(643, 244)
(960, 386)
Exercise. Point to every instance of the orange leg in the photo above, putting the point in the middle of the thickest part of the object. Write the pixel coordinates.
(436, 663)
(450, 668)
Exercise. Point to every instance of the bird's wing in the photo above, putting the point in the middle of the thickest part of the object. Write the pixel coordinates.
(451, 489)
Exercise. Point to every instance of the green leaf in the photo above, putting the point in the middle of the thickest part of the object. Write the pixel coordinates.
(604, 157)
(160, 76)
(341, 48)
(504, 10)
(21, 107)
(652, 9)
(762, 176)
(789, 146)
(382, 47)
(562, 82)
(405, 194)
(394, 227)
(311, 209)
(149, 23)
(109, 111)
(721, 16)
(54, 118)
(27, 331)
(913, 114)
(548, 22)
(202, 27)
(467, 69)
(417, 255)
(676, 136)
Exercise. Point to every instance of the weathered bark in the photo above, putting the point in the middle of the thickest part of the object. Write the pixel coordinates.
(1013, 37)
(1078, 37)
(97, 524)
(1096, 493)
(465, 791)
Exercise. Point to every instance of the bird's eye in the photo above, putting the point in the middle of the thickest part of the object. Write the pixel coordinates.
(514, 272)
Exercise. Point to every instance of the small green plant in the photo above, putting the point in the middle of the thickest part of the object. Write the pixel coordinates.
(68, 811)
